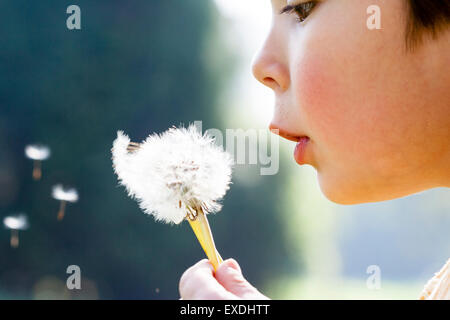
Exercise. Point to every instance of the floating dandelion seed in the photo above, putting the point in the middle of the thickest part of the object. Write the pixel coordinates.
(180, 174)
(64, 195)
(16, 223)
(37, 153)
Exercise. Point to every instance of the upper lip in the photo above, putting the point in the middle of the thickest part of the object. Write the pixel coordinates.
(286, 134)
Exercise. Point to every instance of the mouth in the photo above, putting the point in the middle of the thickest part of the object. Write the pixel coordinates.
(286, 134)
(300, 150)
(300, 147)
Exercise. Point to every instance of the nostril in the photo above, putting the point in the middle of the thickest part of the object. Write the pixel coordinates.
(270, 82)
(271, 73)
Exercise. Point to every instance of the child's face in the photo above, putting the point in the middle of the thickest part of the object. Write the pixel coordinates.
(377, 116)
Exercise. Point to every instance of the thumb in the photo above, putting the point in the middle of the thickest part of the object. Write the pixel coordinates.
(229, 275)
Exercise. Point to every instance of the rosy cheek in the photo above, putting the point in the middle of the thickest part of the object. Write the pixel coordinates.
(348, 124)
(318, 96)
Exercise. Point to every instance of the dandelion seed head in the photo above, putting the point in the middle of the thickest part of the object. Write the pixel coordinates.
(37, 152)
(16, 222)
(172, 172)
(64, 194)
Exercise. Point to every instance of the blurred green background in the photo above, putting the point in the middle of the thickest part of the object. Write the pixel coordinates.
(143, 66)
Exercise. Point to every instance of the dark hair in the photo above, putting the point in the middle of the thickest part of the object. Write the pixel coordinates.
(426, 17)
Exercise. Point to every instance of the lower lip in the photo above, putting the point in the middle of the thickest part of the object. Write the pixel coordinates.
(300, 149)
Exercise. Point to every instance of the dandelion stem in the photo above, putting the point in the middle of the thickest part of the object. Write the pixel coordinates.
(201, 228)
(37, 172)
(62, 209)
(14, 238)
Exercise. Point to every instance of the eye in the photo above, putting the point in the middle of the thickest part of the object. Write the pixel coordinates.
(302, 10)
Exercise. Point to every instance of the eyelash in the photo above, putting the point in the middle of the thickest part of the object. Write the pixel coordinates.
(302, 10)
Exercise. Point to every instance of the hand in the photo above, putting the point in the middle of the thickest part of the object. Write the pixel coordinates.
(199, 282)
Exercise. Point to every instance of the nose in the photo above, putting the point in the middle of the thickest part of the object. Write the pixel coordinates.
(269, 69)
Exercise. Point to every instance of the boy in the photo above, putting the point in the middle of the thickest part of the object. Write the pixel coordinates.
(369, 109)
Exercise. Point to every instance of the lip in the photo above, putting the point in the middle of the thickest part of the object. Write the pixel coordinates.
(300, 150)
(286, 134)
(301, 139)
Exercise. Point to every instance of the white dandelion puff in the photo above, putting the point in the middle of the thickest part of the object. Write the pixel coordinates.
(171, 172)
(64, 195)
(37, 153)
(176, 175)
(15, 223)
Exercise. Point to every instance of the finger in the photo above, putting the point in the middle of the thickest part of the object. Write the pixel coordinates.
(198, 283)
(229, 274)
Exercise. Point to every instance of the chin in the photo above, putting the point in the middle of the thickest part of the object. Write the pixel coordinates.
(340, 191)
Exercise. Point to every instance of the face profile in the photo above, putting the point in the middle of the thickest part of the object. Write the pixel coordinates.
(374, 108)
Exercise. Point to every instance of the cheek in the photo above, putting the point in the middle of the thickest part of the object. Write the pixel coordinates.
(352, 130)
(328, 106)
(316, 95)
